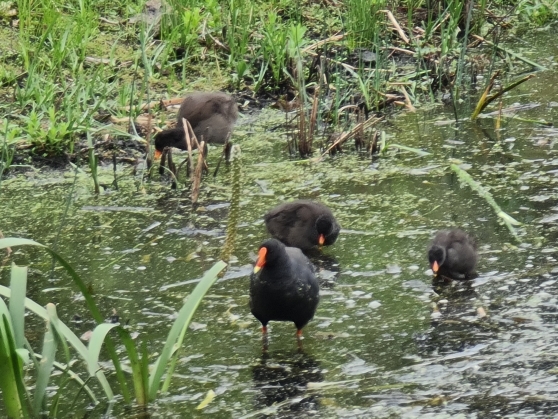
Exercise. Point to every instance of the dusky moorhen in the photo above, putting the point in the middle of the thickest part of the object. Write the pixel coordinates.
(211, 115)
(303, 224)
(283, 286)
(453, 253)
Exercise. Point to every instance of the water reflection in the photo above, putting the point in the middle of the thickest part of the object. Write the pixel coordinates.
(327, 267)
(282, 379)
(455, 325)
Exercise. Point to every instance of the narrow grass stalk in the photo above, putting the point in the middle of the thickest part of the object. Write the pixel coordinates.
(11, 378)
(93, 164)
(47, 361)
(234, 211)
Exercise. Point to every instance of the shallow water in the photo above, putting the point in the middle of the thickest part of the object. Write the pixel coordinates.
(378, 346)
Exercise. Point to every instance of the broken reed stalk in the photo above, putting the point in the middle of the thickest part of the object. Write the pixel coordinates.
(234, 212)
(485, 100)
(348, 135)
(508, 220)
(313, 119)
(198, 174)
(187, 129)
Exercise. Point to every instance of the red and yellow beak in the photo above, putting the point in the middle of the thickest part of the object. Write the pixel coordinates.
(157, 154)
(321, 240)
(435, 267)
(261, 259)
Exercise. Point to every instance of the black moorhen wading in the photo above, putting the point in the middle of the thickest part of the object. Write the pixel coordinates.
(283, 286)
(211, 115)
(453, 253)
(303, 224)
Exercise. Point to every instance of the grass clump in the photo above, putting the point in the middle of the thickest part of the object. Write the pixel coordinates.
(71, 65)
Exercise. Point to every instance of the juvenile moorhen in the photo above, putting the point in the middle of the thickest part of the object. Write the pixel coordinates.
(211, 115)
(283, 286)
(453, 253)
(303, 224)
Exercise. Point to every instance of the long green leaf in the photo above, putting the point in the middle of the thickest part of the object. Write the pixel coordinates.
(411, 149)
(11, 378)
(18, 285)
(140, 384)
(47, 361)
(95, 344)
(508, 220)
(13, 242)
(183, 320)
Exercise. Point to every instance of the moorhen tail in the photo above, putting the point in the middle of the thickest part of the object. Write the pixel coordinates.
(303, 224)
(453, 253)
(211, 115)
(283, 286)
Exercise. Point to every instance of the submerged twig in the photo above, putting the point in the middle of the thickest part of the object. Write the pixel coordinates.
(198, 173)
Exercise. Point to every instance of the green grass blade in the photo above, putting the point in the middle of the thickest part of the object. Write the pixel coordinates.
(47, 361)
(11, 378)
(140, 384)
(18, 285)
(411, 149)
(183, 320)
(95, 344)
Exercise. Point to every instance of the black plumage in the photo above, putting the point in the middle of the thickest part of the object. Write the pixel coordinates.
(453, 253)
(283, 286)
(303, 224)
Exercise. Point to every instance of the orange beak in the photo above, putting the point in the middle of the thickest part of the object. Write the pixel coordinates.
(158, 154)
(435, 267)
(321, 240)
(261, 260)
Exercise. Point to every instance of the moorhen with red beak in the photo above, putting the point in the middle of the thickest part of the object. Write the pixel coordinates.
(303, 224)
(211, 115)
(283, 286)
(453, 253)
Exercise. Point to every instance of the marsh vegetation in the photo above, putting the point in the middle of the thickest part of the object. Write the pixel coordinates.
(393, 86)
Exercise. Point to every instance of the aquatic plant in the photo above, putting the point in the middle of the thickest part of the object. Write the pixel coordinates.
(14, 349)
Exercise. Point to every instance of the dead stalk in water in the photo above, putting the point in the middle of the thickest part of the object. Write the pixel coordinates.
(348, 135)
(187, 129)
(198, 174)
(485, 100)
